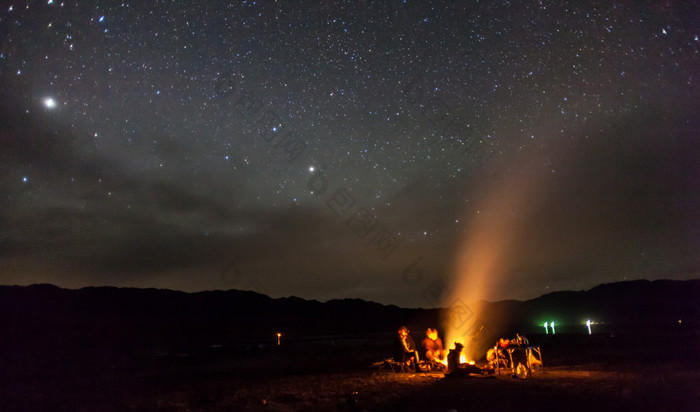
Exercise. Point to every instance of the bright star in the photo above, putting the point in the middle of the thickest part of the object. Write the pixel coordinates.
(311, 168)
(50, 103)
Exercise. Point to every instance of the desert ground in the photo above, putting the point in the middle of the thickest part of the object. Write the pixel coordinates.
(601, 372)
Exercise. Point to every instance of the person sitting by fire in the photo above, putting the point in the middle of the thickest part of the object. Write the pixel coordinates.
(497, 354)
(521, 340)
(434, 350)
(455, 367)
(453, 358)
(405, 348)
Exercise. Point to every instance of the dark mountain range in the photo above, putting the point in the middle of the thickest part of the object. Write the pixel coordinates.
(48, 315)
(613, 307)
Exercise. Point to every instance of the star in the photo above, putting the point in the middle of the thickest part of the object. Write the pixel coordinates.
(49, 103)
(423, 128)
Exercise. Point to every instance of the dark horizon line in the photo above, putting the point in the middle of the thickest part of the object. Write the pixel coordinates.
(697, 280)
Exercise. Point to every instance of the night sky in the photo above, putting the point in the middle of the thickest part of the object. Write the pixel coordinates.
(348, 149)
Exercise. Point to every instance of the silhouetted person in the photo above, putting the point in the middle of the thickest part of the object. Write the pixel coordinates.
(457, 369)
(405, 348)
(453, 358)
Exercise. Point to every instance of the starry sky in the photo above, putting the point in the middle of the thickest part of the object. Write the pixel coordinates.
(348, 149)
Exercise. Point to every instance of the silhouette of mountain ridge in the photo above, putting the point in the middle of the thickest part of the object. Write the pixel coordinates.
(45, 313)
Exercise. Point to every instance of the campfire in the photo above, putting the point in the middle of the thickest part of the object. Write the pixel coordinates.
(457, 358)
(462, 358)
(458, 364)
